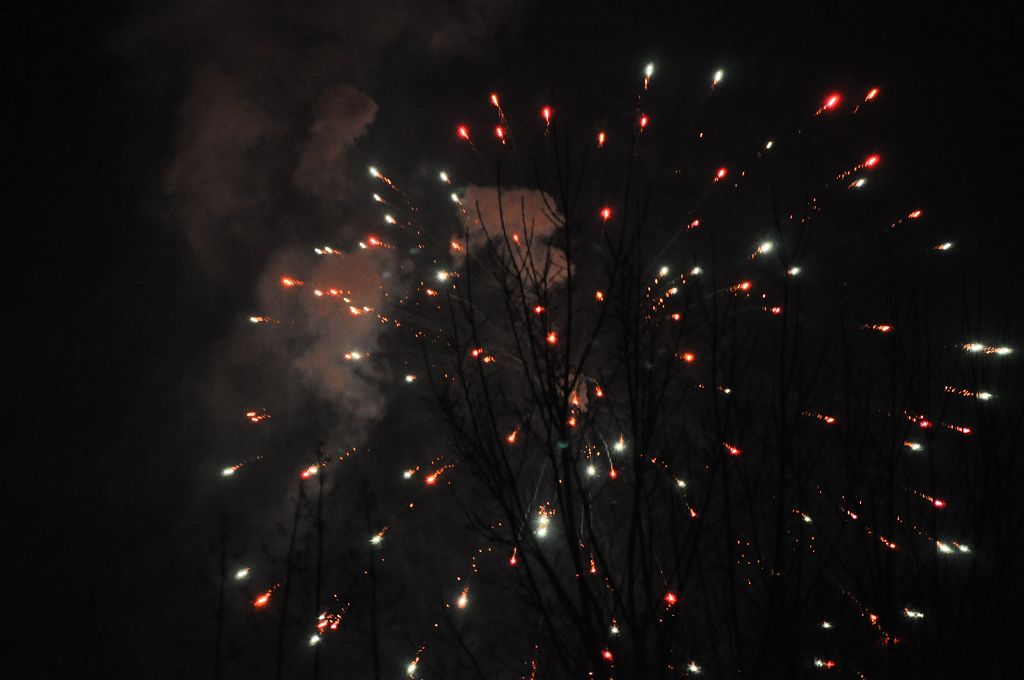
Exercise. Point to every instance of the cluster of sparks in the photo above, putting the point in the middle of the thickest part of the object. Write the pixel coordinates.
(599, 460)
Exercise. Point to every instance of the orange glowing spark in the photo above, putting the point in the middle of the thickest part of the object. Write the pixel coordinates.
(733, 450)
(552, 338)
(499, 132)
(670, 599)
(494, 99)
(291, 283)
(643, 121)
(606, 213)
(463, 132)
(721, 173)
(263, 599)
(546, 114)
(599, 296)
(872, 93)
(600, 140)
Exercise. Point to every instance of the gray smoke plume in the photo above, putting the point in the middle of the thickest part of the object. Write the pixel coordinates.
(275, 99)
(529, 213)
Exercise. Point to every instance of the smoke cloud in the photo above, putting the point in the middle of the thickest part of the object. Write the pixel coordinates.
(341, 116)
(530, 213)
(274, 101)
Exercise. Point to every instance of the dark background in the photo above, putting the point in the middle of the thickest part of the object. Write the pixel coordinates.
(116, 320)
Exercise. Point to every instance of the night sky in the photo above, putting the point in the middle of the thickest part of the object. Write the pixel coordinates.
(174, 159)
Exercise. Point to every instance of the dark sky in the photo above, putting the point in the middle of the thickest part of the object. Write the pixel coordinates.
(141, 237)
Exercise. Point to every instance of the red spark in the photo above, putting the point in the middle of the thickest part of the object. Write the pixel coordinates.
(545, 113)
(606, 213)
(872, 93)
(721, 173)
(263, 599)
(463, 132)
(872, 160)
